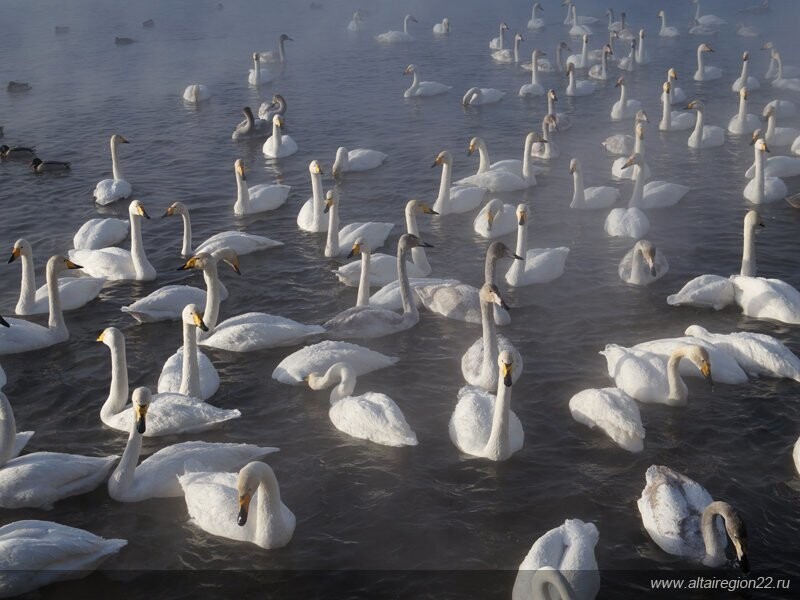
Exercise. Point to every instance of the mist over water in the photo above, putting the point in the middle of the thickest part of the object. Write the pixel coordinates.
(360, 505)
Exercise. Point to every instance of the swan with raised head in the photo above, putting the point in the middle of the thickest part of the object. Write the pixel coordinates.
(546, 66)
(495, 219)
(491, 178)
(157, 475)
(676, 94)
(251, 127)
(540, 265)
(275, 56)
(278, 145)
(680, 517)
(267, 110)
(74, 291)
(622, 144)
(613, 412)
(563, 121)
(18, 335)
(456, 199)
(196, 93)
(582, 87)
(483, 424)
(476, 96)
(360, 159)
(624, 107)
(423, 88)
(775, 166)
(628, 63)
(398, 37)
(629, 222)
(673, 119)
(544, 146)
(778, 136)
(294, 369)
(782, 80)
(666, 30)
(312, 214)
(621, 168)
(713, 20)
(744, 80)
(213, 500)
(338, 241)
(535, 23)
(442, 28)
(534, 88)
(762, 189)
(579, 26)
(573, 18)
(506, 55)
(612, 24)
(581, 60)
(116, 188)
(642, 56)
(100, 233)
(259, 75)
(743, 122)
(704, 136)
(601, 71)
(589, 198)
(643, 264)
(256, 198)
(705, 72)
(371, 416)
(498, 43)
(653, 194)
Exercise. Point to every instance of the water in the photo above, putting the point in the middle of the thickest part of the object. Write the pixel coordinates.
(360, 505)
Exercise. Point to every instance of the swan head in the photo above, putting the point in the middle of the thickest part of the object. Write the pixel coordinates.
(585, 38)
(256, 56)
(473, 93)
(176, 208)
(761, 145)
(191, 315)
(111, 336)
(118, 139)
(522, 214)
(769, 111)
(238, 168)
(757, 134)
(506, 363)
(446, 24)
(672, 73)
(443, 158)
(136, 209)
(519, 38)
(570, 69)
(140, 398)
(666, 87)
(752, 219)
(503, 27)
(551, 94)
(498, 250)
(490, 294)
(551, 123)
(648, 251)
(699, 357)
(59, 264)
(743, 93)
(474, 144)
(408, 241)
(745, 56)
(661, 14)
(494, 206)
(536, 54)
(410, 70)
(21, 248)
(620, 82)
(359, 247)
(411, 18)
(278, 103)
(315, 168)
(229, 257)
(607, 49)
(696, 105)
(705, 48)
(641, 34)
(340, 160)
(537, 6)
(633, 159)
(564, 46)
(277, 121)
(574, 166)
(734, 527)
(330, 200)
(285, 38)
(420, 207)
(247, 484)
(640, 130)
(248, 112)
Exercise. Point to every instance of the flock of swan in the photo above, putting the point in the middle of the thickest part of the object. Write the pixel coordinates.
(229, 489)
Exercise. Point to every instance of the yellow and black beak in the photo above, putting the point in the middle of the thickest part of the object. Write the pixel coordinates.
(143, 212)
(234, 265)
(328, 204)
(705, 369)
(15, 254)
(435, 163)
(141, 413)
(355, 250)
(507, 372)
(71, 265)
(428, 210)
(521, 218)
(471, 150)
(4, 323)
(189, 264)
(198, 321)
(101, 336)
(490, 220)
(244, 506)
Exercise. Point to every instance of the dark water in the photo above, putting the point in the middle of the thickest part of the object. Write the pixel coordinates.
(359, 505)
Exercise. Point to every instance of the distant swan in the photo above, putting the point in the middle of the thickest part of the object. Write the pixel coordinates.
(498, 43)
(443, 27)
(273, 56)
(589, 198)
(259, 75)
(704, 136)
(476, 96)
(196, 93)
(359, 159)
(395, 37)
(744, 80)
(505, 55)
(535, 22)
(422, 88)
(111, 190)
(666, 31)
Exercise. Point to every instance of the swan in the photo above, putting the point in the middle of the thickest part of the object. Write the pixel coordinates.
(742, 121)
(372, 322)
(494, 179)
(277, 106)
(758, 354)
(371, 416)
(624, 108)
(782, 81)
(311, 215)
(623, 31)
(563, 121)
(707, 19)
(111, 190)
(762, 189)
(476, 96)
(612, 24)
(423, 88)
(744, 80)
(676, 94)
(642, 56)
(775, 166)
(395, 37)
(601, 71)
(583, 87)
(74, 291)
(696, 28)
(23, 336)
(622, 144)
(213, 500)
(778, 136)
(373, 233)
(541, 265)
(627, 222)
(534, 88)
(34, 554)
(726, 369)
(523, 167)
(666, 31)
(545, 65)
(580, 26)
(383, 267)
(257, 198)
(704, 72)
(251, 127)
(621, 168)
(505, 55)
(574, 19)
(456, 199)
(613, 412)
(259, 75)
(294, 369)
(100, 233)
(39, 479)
(628, 63)
(535, 23)
(653, 194)
(544, 147)
(443, 27)
(116, 264)
(589, 198)
(355, 23)
(11, 441)
(256, 331)
(498, 43)
(278, 145)
(359, 159)
(238, 241)
(157, 475)
(495, 219)
(674, 119)
(273, 56)
(563, 558)
(649, 378)
(767, 299)
(484, 425)
(680, 517)
(581, 61)
(170, 413)
(643, 264)
(759, 8)
(196, 93)
(704, 136)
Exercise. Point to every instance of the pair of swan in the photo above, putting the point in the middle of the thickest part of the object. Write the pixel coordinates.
(502, 176)
(538, 265)
(505, 55)
(117, 188)
(259, 75)
(624, 107)
(196, 93)
(774, 166)
(373, 233)
(398, 37)
(278, 145)
(456, 199)
(422, 88)
(257, 198)
(666, 30)
(589, 198)
(371, 416)
(360, 159)
(705, 72)
(74, 291)
(742, 121)
(643, 264)
(680, 517)
(675, 120)
(704, 136)
(581, 87)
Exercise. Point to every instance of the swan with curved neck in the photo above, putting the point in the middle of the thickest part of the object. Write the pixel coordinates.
(392, 37)
(422, 88)
(271, 55)
(111, 190)
(543, 146)
(267, 110)
(704, 136)
(535, 22)
(589, 198)
(578, 88)
(744, 80)
(312, 215)
(257, 198)
(666, 31)
(624, 107)
(250, 127)
(601, 71)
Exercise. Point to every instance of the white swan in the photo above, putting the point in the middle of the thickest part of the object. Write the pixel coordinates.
(495, 219)
(778, 136)
(666, 30)
(563, 558)
(584, 87)
(294, 369)
(111, 190)
(338, 241)
(545, 65)
(506, 55)
(680, 517)
(355, 23)
(627, 222)
(762, 189)
(278, 145)
(775, 166)
(540, 265)
(782, 80)
(522, 168)
(476, 96)
(456, 199)
(621, 168)
(581, 60)
(100, 233)
(221, 504)
(491, 178)
(257, 331)
(535, 23)
(643, 264)
(196, 93)
(589, 198)
(573, 18)
(276, 106)
(612, 411)
(744, 80)
(256, 198)
(704, 136)
(767, 299)
(563, 121)
(157, 475)
(742, 121)
(580, 25)
(624, 107)
(251, 127)
(707, 19)
(397, 37)
(696, 28)
(534, 88)
(39, 479)
(34, 554)
(423, 88)
(705, 72)
(259, 74)
(674, 119)
(484, 425)
(360, 159)
(74, 291)
(312, 214)
(649, 378)
(628, 63)
(653, 194)
(622, 144)
(371, 416)
(544, 147)
(276, 56)
(726, 369)
(642, 56)
(116, 264)
(23, 336)
(443, 27)
(676, 94)
(498, 43)
(601, 71)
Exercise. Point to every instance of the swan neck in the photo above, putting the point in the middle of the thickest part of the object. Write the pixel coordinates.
(332, 241)
(666, 114)
(700, 59)
(409, 306)
(186, 247)
(559, 64)
(534, 70)
(269, 518)
(483, 152)
(277, 139)
(242, 197)
(405, 24)
(190, 375)
(256, 71)
(714, 552)
(678, 392)
(759, 175)
(527, 175)
(489, 334)
(363, 282)
(770, 128)
(443, 199)
(623, 96)
(213, 299)
(551, 106)
(56, 321)
(414, 83)
(499, 445)
(698, 126)
(579, 193)
(118, 392)
(749, 252)
(318, 200)
(27, 291)
(138, 256)
(744, 72)
(280, 50)
(518, 266)
(502, 38)
(663, 23)
(8, 430)
(122, 478)
(638, 187)
(604, 65)
(418, 255)
(742, 108)
(550, 577)
(115, 168)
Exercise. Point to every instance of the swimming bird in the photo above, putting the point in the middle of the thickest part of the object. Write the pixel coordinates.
(582, 87)
(422, 88)
(278, 145)
(704, 136)
(312, 216)
(666, 31)
(762, 189)
(256, 198)
(259, 75)
(506, 55)
(674, 119)
(275, 56)
(612, 411)
(442, 28)
(540, 265)
(498, 43)
(49, 166)
(643, 264)
(277, 106)
(100, 233)
(20, 153)
(624, 107)
(16, 87)
(456, 199)
(251, 127)
(705, 72)
(589, 198)
(338, 241)
(476, 96)
(536, 23)
(196, 93)
(398, 37)
(745, 80)
(360, 159)
(117, 188)
(742, 121)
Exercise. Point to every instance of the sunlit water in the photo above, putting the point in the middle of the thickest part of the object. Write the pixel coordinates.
(359, 505)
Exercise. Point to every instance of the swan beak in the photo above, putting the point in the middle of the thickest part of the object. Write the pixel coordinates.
(244, 505)
(706, 371)
(471, 150)
(741, 554)
(234, 264)
(427, 210)
(766, 148)
(422, 244)
(71, 265)
(628, 163)
(4, 323)
(572, 170)
(355, 250)
(240, 171)
(710, 49)
(169, 212)
(516, 256)
(143, 212)
(140, 413)
(100, 336)
(507, 369)
(435, 163)
(521, 219)
(328, 204)
(15, 253)
(198, 321)
(189, 264)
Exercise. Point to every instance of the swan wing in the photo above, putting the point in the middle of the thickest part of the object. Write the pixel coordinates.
(100, 233)
(641, 375)
(24, 336)
(73, 291)
(111, 190)
(373, 233)
(266, 196)
(166, 303)
(627, 222)
(319, 357)
(763, 298)
(472, 362)
(374, 417)
(257, 331)
(112, 263)
(612, 411)
(172, 373)
(172, 413)
(659, 194)
(362, 159)
(708, 291)
(366, 322)
(239, 242)
(388, 296)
